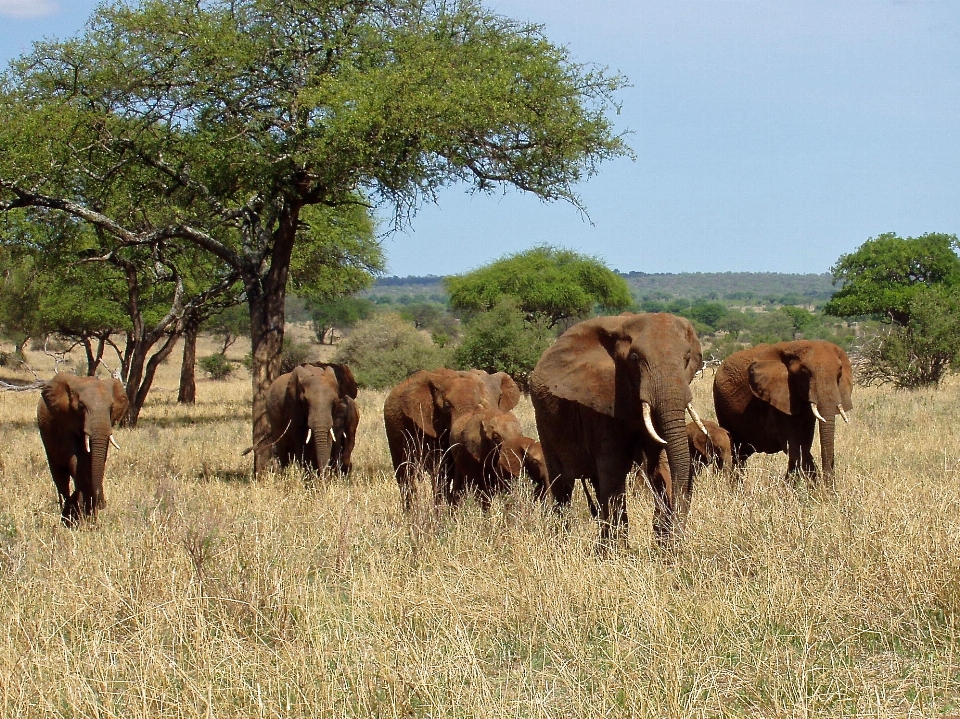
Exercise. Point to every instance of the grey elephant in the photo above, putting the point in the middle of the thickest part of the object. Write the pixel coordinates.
(314, 416)
(611, 391)
(770, 398)
(76, 416)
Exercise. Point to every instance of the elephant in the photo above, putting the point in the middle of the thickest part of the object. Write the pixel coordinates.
(489, 450)
(419, 412)
(314, 416)
(76, 416)
(771, 397)
(602, 394)
(709, 449)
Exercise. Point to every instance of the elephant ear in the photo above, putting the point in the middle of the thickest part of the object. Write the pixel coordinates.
(345, 378)
(846, 380)
(699, 441)
(120, 402)
(512, 455)
(770, 381)
(57, 394)
(695, 363)
(579, 366)
(417, 403)
(509, 392)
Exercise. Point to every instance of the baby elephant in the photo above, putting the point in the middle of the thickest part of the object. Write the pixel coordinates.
(489, 451)
(712, 449)
(76, 417)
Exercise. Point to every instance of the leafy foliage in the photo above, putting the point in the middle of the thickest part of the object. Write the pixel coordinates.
(384, 350)
(504, 340)
(556, 284)
(886, 273)
(217, 366)
(340, 313)
(921, 352)
(294, 354)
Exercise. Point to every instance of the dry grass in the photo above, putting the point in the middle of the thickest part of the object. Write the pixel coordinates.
(203, 594)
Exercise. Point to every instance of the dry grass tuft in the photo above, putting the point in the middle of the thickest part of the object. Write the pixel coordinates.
(202, 593)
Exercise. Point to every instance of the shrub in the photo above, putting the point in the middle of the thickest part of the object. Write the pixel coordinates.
(294, 354)
(921, 352)
(384, 350)
(217, 366)
(503, 340)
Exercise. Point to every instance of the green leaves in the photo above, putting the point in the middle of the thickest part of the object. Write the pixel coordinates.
(884, 275)
(556, 284)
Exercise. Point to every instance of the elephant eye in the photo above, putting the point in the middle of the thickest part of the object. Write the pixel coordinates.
(634, 357)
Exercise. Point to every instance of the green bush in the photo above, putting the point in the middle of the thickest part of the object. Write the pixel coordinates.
(384, 350)
(294, 354)
(503, 340)
(217, 366)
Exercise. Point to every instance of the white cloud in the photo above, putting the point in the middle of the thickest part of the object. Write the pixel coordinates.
(28, 8)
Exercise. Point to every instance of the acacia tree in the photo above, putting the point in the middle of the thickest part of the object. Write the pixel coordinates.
(222, 120)
(557, 285)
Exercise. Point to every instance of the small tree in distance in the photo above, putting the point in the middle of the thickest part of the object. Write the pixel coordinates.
(554, 284)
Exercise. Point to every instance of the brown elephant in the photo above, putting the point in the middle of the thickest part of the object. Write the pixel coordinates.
(314, 417)
(709, 449)
(771, 397)
(489, 451)
(76, 416)
(419, 412)
(603, 394)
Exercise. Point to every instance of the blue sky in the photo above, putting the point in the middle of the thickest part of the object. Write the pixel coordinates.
(770, 136)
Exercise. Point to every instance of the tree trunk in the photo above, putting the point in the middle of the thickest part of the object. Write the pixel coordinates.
(188, 368)
(142, 372)
(265, 297)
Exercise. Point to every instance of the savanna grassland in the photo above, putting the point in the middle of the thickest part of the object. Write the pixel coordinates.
(201, 593)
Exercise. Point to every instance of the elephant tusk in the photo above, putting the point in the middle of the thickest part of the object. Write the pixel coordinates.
(696, 418)
(309, 435)
(114, 442)
(333, 437)
(846, 417)
(86, 442)
(648, 423)
(816, 412)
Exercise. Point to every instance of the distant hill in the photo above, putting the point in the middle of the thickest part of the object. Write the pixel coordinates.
(745, 287)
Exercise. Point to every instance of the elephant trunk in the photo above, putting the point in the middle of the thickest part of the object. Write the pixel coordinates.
(98, 439)
(321, 431)
(673, 424)
(827, 433)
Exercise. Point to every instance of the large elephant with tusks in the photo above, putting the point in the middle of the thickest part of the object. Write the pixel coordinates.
(611, 391)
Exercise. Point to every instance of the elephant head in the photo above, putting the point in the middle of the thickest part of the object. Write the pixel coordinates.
(636, 369)
(523, 454)
(712, 448)
(316, 404)
(804, 378)
(76, 416)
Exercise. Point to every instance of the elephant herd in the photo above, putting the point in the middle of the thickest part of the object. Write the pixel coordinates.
(609, 394)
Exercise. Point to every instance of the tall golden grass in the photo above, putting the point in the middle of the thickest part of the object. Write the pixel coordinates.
(200, 593)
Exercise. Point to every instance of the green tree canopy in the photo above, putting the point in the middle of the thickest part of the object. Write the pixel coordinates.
(217, 122)
(544, 281)
(885, 273)
(339, 313)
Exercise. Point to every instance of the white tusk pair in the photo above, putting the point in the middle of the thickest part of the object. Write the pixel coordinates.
(846, 417)
(816, 412)
(86, 442)
(696, 418)
(648, 423)
(114, 442)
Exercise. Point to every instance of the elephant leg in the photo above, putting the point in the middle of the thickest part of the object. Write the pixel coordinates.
(61, 479)
(661, 484)
(612, 500)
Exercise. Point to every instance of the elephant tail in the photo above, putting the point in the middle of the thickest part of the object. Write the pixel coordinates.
(260, 445)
